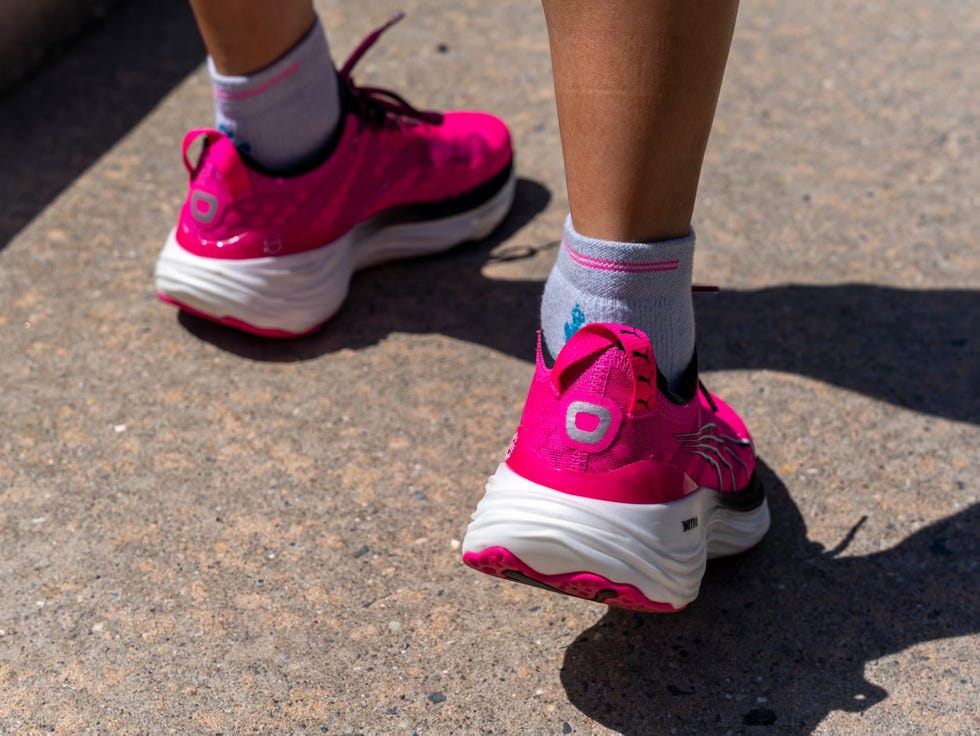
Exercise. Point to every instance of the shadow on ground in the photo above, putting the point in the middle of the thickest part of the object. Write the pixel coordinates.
(61, 119)
(918, 349)
(779, 636)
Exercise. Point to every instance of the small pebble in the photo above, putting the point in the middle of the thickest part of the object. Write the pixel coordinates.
(454, 544)
(437, 698)
(120, 428)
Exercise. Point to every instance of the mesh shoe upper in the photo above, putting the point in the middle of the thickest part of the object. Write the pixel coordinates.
(597, 424)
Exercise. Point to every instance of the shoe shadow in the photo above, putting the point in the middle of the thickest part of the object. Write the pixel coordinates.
(779, 636)
(919, 349)
(62, 117)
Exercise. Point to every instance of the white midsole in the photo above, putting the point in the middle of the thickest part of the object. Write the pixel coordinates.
(295, 293)
(654, 547)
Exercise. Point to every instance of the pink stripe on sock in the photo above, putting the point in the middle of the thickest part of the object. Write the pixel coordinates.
(621, 266)
(245, 94)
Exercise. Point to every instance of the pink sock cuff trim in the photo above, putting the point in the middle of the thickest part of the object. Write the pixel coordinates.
(602, 264)
(244, 94)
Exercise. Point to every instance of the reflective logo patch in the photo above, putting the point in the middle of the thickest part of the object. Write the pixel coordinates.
(587, 423)
(592, 421)
(204, 206)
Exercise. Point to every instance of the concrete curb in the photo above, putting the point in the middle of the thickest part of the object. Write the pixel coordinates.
(31, 29)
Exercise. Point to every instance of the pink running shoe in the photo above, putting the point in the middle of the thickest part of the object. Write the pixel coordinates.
(614, 488)
(274, 255)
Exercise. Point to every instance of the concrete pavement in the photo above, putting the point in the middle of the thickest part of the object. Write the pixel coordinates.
(205, 533)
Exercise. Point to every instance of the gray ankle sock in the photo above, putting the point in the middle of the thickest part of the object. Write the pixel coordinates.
(282, 114)
(645, 285)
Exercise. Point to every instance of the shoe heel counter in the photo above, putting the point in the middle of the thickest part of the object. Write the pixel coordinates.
(574, 413)
(587, 423)
(218, 187)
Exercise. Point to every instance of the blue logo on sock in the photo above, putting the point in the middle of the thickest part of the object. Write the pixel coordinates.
(242, 146)
(578, 319)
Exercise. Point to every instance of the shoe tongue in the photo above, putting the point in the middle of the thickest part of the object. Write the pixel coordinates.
(591, 341)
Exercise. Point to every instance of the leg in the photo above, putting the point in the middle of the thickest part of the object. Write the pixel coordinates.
(636, 83)
(244, 37)
(618, 486)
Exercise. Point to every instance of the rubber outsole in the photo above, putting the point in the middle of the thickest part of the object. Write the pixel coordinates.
(239, 324)
(501, 563)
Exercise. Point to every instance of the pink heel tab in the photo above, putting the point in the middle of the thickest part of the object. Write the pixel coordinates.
(539, 353)
(592, 340)
(219, 149)
(189, 139)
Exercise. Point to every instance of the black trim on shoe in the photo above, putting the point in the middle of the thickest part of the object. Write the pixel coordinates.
(707, 396)
(747, 499)
(425, 211)
(686, 387)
